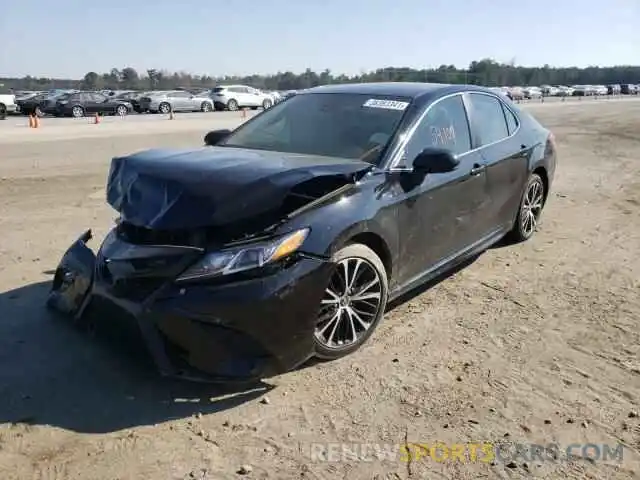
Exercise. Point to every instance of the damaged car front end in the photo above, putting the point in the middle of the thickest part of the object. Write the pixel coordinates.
(212, 300)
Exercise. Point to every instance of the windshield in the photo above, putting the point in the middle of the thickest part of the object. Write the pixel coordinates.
(343, 125)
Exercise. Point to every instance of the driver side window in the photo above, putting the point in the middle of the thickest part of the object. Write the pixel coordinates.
(445, 126)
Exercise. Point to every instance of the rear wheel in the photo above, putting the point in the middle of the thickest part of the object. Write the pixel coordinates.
(77, 111)
(267, 104)
(206, 107)
(353, 304)
(122, 110)
(232, 105)
(530, 210)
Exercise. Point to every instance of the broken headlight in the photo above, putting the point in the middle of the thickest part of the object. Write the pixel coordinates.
(245, 257)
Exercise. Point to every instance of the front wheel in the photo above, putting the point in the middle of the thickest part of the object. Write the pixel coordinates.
(354, 302)
(530, 210)
(267, 104)
(232, 105)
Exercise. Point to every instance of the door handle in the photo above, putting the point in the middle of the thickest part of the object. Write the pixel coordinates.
(478, 169)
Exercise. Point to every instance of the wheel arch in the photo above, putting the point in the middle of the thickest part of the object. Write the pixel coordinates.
(542, 172)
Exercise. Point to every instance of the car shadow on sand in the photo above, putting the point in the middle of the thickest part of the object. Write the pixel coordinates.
(54, 374)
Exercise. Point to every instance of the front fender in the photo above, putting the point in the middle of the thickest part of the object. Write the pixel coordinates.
(73, 277)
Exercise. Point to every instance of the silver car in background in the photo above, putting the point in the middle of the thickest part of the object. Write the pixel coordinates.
(175, 101)
(234, 97)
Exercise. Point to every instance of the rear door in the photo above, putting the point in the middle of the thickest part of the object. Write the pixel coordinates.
(255, 97)
(496, 126)
(180, 100)
(245, 99)
(97, 103)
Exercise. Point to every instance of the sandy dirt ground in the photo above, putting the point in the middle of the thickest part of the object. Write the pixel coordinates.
(537, 343)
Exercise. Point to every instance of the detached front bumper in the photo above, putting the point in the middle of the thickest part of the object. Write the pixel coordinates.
(221, 332)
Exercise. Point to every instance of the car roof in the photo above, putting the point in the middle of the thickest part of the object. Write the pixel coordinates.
(413, 90)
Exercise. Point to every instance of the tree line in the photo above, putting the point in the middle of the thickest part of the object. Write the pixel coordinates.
(484, 72)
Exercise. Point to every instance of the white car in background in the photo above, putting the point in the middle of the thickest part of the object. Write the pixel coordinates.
(601, 89)
(564, 91)
(502, 91)
(275, 96)
(549, 90)
(515, 93)
(7, 104)
(234, 97)
(532, 92)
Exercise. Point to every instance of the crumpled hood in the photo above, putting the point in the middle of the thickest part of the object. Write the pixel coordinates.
(210, 186)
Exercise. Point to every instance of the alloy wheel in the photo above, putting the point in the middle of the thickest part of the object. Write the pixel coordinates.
(77, 112)
(350, 305)
(122, 110)
(532, 207)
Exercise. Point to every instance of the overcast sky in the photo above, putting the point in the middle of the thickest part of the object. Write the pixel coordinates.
(67, 38)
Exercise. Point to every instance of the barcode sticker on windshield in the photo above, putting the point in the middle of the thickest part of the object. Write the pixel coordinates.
(388, 104)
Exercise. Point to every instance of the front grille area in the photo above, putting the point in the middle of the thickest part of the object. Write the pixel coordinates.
(136, 289)
(145, 236)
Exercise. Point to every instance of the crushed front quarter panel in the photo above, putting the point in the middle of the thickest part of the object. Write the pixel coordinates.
(73, 277)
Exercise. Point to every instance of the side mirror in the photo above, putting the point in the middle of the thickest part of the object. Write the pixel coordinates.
(435, 160)
(216, 136)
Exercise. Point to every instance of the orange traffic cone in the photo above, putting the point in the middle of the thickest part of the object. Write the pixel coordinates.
(97, 119)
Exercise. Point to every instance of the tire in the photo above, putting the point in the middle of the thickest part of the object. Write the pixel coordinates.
(122, 110)
(206, 107)
(534, 194)
(232, 105)
(77, 111)
(3, 111)
(359, 258)
(164, 107)
(267, 104)
(37, 112)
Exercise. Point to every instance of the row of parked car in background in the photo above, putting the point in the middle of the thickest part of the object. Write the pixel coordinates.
(77, 103)
(529, 93)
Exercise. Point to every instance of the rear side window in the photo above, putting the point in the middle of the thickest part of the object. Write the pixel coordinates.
(445, 125)
(512, 121)
(489, 118)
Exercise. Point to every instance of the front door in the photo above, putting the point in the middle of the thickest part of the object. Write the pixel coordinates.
(441, 210)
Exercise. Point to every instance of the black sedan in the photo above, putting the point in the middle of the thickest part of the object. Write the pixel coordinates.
(286, 238)
(81, 104)
(31, 105)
